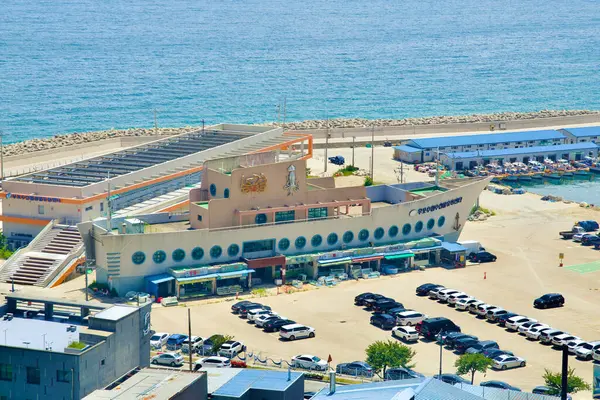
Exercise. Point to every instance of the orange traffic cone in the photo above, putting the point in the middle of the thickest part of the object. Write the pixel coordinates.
(484, 275)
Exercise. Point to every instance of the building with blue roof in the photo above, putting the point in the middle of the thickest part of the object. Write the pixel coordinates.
(584, 134)
(425, 149)
(253, 384)
(459, 161)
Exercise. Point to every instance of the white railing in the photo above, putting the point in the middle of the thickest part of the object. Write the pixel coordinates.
(73, 255)
(295, 221)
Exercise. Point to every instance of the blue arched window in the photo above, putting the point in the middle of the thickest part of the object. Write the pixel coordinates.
(406, 229)
(300, 242)
(159, 256)
(226, 193)
(393, 231)
(138, 257)
(441, 221)
(418, 226)
(316, 241)
(197, 253)
(363, 235)
(348, 237)
(284, 244)
(216, 251)
(178, 255)
(213, 189)
(379, 232)
(332, 239)
(260, 219)
(233, 250)
(430, 224)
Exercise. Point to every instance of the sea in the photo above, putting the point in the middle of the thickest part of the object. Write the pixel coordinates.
(578, 189)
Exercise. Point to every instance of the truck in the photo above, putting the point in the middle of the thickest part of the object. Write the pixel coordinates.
(567, 235)
(337, 160)
(472, 246)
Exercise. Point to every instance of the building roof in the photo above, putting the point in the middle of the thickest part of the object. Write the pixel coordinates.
(148, 384)
(115, 313)
(524, 150)
(434, 389)
(408, 149)
(583, 132)
(249, 379)
(38, 334)
(489, 393)
(505, 137)
(377, 390)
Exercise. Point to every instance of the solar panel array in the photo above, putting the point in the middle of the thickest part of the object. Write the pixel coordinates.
(96, 169)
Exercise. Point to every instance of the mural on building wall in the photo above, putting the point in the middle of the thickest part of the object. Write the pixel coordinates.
(291, 184)
(254, 183)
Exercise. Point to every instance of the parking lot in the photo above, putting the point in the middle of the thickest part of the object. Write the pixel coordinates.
(525, 238)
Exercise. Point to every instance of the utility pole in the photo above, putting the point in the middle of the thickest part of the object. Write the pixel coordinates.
(565, 372)
(372, 151)
(190, 350)
(437, 168)
(353, 139)
(441, 347)
(326, 144)
(401, 172)
(1, 156)
(108, 215)
(278, 111)
(86, 265)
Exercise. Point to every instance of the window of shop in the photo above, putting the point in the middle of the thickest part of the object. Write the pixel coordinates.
(199, 217)
(418, 226)
(320, 212)
(33, 375)
(284, 244)
(233, 250)
(316, 241)
(159, 256)
(101, 207)
(213, 189)
(6, 373)
(197, 253)
(259, 245)
(216, 251)
(178, 255)
(260, 219)
(40, 209)
(63, 376)
(441, 221)
(363, 235)
(226, 193)
(300, 242)
(348, 236)
(332, 239)
(421, 256)
(406, 229)
(393, 231)
(379, 232)
(430, 224)
(138, 257)
(282, 216)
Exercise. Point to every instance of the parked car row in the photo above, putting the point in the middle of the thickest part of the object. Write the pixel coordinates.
(388, 313)
(264, 317)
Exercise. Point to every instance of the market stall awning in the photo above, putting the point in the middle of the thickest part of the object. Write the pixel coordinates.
(453, 247)
(233, 274)
(334, 261)
(157, 279)
(398, 255)
(208, 277)
(365, 259)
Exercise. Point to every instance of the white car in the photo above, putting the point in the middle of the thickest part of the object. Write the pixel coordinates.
(296, 331)
(463, 304)
(493, 314)
(158, 340)
(433, 293)
(547, 336)
(530, 325)
(263, 319)
(586, 351)
(574, 344)
(410, 318)
(506, 361)
(170, 359)
(444, 294)
(257, 312)
(482, 309)
(560, 340)
(308, 361)
(473, 306)
(407, 333)
(197, 341)
(212, 362)
(513, 324)
(453, 298)
(596, 355)
(534, 333)
(231, 348)
(577, 237)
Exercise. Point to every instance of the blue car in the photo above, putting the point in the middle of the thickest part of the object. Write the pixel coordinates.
(355, 368)
(175, 341)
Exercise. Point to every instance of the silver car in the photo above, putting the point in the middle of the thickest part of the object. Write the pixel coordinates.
(170, 359)
(507, 361)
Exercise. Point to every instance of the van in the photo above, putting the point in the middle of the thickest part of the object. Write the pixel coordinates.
(431, 327)
(296, 331)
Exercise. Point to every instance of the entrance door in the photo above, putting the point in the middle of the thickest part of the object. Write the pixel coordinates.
(472, 164)
(432, 258)
(525, 160)
(578, 156)
(552, 157)
(459, 166)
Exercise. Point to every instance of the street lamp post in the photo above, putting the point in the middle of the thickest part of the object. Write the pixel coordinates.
(88, 263)
(441, 341)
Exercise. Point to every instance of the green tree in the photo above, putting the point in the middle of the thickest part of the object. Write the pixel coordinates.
(574, 383)
(471, 363)
(389, 354)
(218, 340)
(368, 181)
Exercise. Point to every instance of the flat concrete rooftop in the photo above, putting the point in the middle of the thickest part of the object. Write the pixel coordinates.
(37, 334)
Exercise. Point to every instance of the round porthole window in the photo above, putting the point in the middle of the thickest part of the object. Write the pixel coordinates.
(178, 255)
(216, 251)
(260, 219)
(213, 189)
(300, 242)
(418, 226)
(159, 256)
(363, 235)
(316, 241)
(393, 231)
(138, 257)
(441, 221)
(406, 229)
(430, 224)
(233, 250)
(379, 232)
(197, 253)
(284, 244)
(332, 239)
(348, 237)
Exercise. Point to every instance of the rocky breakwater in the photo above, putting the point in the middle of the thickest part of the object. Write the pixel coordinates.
(464, 119)
(71, 139)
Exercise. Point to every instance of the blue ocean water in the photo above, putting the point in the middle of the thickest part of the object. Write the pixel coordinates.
(574, 189)
(85, 65)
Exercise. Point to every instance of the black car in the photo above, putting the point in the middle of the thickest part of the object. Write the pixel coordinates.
(549, 300)
(482, 256)
(493, 353)
(482, 346)
(252, 306)
(431, 327)
(370, 303)
(387, 305)
(395, 311)
(451, 379)
(361, 298)
(461, 345)
(589, 240)
(236, 307)
(501, 320)
(499, 385)
(424, 289)
(452, 337)
(546, 390)
(273, 326)
(399, 373)
(384, 321)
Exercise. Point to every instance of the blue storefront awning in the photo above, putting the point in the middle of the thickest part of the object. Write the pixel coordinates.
(223, 275)
(453, 247)
(219, 275)
(334, 261)
(157, 279)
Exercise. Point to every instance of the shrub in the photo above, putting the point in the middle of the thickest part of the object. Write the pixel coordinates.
(368, 181)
